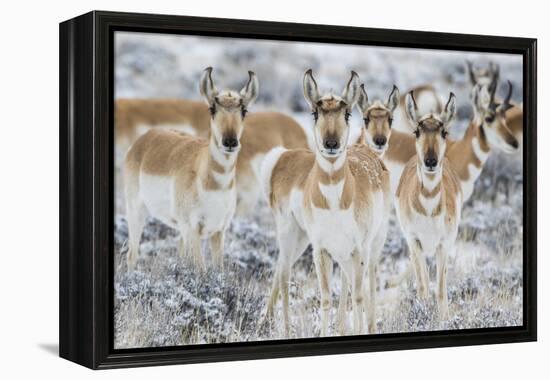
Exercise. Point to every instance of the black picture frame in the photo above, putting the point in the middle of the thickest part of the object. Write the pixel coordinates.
(86, 188)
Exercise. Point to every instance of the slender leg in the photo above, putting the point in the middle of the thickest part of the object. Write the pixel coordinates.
(292, 242)
(341, 320)
(358, 293)
(371, 303)
(323, 268)
(136, 215)
(372, 269)
(421, 271)
(442, 298)
(193, 246)
(216, 248)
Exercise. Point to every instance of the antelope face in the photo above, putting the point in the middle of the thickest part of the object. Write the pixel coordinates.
(485, 76)
(331, 114)
(228, 109)
(492, 118)
(378, 118)
(431, 131)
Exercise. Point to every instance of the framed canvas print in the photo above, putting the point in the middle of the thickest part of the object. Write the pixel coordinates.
(238, 189)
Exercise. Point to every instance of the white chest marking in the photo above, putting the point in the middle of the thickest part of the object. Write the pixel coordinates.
(430, 204)
(216, 209)
(224, 179)
(332, 193)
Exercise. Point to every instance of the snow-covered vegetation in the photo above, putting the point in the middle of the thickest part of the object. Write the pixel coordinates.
(165, 302)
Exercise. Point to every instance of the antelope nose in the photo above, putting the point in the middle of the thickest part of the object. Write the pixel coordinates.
(230, 142)
(380, 140)
(430, 162)
(331, 144)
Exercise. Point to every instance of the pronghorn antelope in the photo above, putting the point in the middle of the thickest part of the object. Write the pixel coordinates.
(189, 182)
(376, 132)
(488, 129)
(378, 119)
(489, 77)
(429, 198)
(335, 197)
(262, 132)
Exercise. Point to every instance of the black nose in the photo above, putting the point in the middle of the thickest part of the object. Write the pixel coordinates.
(380, 140)
(430, 162)
(514, 144)
(331, 144)
(230, 142)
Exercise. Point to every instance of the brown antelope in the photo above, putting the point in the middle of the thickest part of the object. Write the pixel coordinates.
(334, 197)
(262, 132)
(487, 131)
(378, 119)
(429, 198)
(189, 182)
(489, 77)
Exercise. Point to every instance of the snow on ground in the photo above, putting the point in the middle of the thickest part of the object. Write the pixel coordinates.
(165, 302)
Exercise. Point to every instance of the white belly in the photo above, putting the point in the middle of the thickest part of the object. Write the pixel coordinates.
(157, 193)
(335, 231)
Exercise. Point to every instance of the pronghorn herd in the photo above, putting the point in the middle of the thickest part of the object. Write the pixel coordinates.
(204, 162)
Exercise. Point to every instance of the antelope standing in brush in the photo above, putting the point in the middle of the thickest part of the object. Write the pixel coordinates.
(488, 131)
(262, 132)
(429, 199)
(334, 197)
(189, 182)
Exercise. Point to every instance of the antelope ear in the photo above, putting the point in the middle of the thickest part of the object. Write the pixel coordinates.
(249, 93)
(471, 74)
(351, 91)
(363, 99)
(449, 111)
(207, 88)
(411, 109)
(393, 99)
(311, 91)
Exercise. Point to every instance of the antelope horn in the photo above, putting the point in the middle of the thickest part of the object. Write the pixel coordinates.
(509, 94)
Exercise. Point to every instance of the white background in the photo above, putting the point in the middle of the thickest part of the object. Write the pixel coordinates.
(29, 189)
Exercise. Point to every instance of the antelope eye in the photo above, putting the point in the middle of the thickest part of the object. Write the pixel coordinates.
(367, 120)
(490, 118)
(315, 115)
(417, 132)
(212, 110)
(244, 111)
(390, 121)
(347, 115)
(444, 133)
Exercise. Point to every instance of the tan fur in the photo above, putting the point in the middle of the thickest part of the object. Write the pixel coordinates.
(262, 132)
(461, 153)
(130, 114)
(313, 193)
(514, 119)
(410, 188)
(169, 153)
